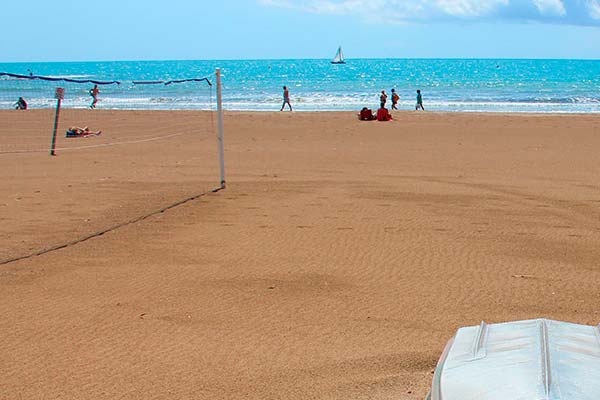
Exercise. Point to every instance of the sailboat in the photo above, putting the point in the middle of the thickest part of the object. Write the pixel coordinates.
(339, 57)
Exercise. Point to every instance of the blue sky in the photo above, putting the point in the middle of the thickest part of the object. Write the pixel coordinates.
(42, 30)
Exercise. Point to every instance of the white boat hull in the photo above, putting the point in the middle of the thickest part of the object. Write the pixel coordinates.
(525, 360)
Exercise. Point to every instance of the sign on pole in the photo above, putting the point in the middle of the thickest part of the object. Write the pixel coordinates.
(59, 95)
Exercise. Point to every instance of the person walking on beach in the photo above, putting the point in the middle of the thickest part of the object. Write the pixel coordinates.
(395, 99)
(94, 93)
(383, 99)
(286, 98)
(419, 101)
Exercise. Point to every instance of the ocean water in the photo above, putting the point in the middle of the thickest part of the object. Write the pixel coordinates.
(477, 85)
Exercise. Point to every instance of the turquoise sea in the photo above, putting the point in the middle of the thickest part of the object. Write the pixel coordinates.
(485, 85)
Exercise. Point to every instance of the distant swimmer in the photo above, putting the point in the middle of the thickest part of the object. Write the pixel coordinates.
(395, 99)
(419, 101)
(286, 98)
(94, 93)
(383, 99)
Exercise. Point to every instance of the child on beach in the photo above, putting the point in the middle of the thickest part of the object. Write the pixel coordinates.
(286, 98)
(94, 93)
(419, 101)
(21, 104)
(395, 99)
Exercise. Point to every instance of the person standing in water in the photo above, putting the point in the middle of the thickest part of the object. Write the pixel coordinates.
(383, 99)
(419, 101)
(286, 98)
(94, 93)
(395, 99)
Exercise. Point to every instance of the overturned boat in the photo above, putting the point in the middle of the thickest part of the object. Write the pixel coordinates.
(537, 359)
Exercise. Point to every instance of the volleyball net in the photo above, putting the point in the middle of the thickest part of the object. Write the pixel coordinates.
(48, 114)
(124, 150)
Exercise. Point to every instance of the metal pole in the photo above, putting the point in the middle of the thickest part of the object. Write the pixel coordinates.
(220, 127)
(59, 96)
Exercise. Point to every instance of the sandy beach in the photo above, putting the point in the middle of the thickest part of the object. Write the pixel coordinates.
(335, 265)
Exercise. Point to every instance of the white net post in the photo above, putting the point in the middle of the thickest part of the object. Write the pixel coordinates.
(220, 128)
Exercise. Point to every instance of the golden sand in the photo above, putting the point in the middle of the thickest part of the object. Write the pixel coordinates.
(337, 263)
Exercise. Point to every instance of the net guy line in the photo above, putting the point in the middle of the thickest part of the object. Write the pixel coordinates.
(110, 229)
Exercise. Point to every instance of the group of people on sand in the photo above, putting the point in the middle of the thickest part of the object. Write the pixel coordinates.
(383, 113)
(382, 98)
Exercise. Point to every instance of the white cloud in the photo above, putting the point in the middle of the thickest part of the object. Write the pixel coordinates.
(277, 3)
(576, 12)
(594, 9)
(468, 8)
(402, 8)
(550, 7)
(344, 7)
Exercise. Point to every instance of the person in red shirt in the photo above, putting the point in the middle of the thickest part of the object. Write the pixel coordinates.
(366, 114)
(383, 114)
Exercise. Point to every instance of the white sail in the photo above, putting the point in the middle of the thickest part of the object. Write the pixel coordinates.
(339, 57)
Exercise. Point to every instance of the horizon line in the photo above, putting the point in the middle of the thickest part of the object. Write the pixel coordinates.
(305, 59)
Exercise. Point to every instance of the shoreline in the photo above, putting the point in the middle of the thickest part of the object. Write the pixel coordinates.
(319, 112)
(455, 85)
(410, 112)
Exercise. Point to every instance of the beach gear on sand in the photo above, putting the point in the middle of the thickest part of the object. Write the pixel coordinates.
(526, 360)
